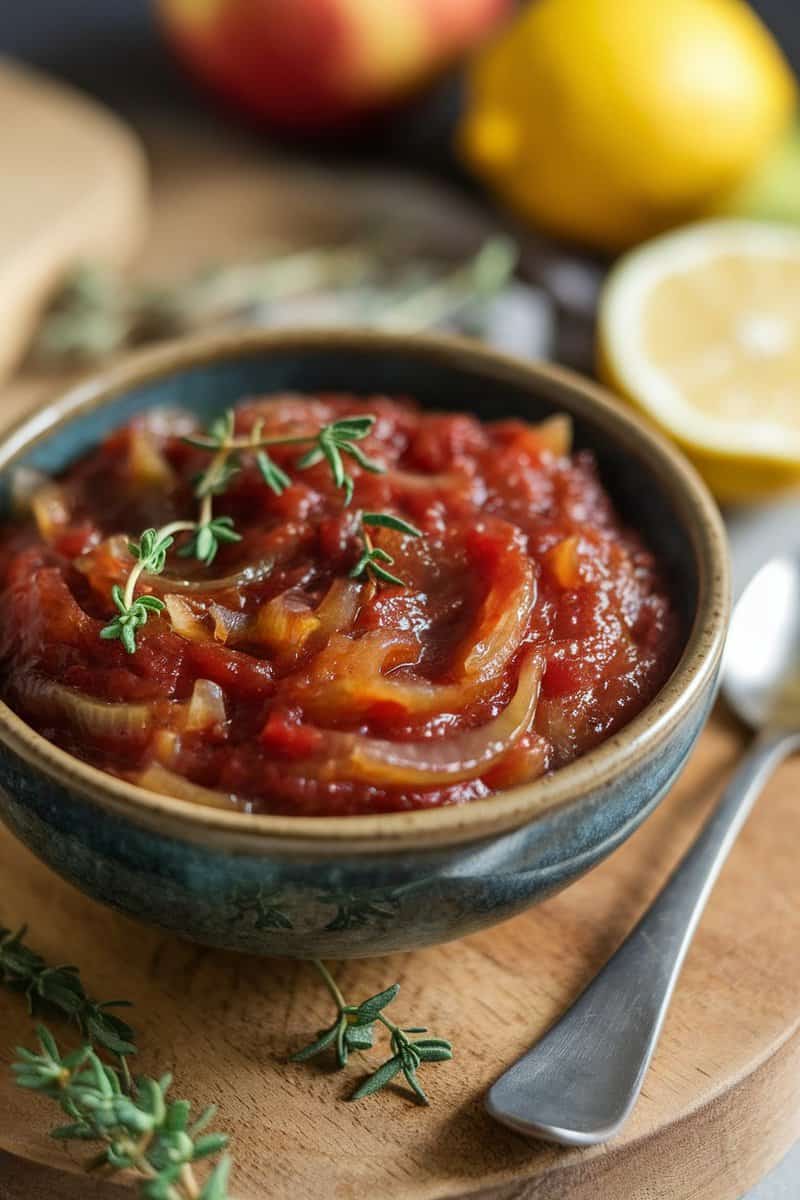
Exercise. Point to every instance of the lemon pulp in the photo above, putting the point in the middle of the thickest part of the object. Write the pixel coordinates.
(701, 330)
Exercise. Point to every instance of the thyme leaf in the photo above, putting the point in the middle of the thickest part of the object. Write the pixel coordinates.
(207, 538)
(389, 521)
(370, 563)
(274, 477)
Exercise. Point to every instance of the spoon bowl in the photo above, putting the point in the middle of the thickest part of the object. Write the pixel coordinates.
(761, 667)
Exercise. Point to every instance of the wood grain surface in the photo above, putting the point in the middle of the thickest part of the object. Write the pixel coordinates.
(720, 1105)
(722, 1100)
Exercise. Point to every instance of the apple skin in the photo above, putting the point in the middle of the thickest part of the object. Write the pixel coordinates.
(309, 66)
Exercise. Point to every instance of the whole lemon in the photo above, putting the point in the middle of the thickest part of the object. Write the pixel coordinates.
(606, 121)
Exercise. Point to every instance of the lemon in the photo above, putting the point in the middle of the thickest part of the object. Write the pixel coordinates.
(606, 121)
(700, 329)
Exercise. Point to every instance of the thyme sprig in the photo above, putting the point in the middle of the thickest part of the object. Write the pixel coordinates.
(354, 1030)
(370, 564)
(139, 1127)
(331, 444)
(147, 1133)
(376, 281)
(60, 989)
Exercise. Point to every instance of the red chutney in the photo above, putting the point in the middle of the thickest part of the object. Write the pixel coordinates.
(532, 624)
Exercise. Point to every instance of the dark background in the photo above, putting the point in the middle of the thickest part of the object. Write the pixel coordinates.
(111, 47)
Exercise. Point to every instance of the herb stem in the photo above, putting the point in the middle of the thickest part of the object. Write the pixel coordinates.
(206, 510)
(141, 564)
(330, 984)
(189, 1182)
(125, 1072)
(251, 443)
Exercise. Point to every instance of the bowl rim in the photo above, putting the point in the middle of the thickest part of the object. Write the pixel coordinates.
(426, 828)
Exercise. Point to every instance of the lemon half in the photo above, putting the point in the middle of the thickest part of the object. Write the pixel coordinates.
(700, 329)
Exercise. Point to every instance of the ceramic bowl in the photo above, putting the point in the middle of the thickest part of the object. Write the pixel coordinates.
(345, 887)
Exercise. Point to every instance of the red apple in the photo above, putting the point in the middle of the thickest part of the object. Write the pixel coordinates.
(309, 65)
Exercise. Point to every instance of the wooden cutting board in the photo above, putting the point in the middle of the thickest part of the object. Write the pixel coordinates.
(74, 188)
(722, 1101)
(720, 1105)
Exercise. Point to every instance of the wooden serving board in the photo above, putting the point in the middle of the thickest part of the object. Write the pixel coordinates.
(74, 188)
(722, 1101)
(720, 1104)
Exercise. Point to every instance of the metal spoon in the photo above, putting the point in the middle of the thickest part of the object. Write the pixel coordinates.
(580, 1081)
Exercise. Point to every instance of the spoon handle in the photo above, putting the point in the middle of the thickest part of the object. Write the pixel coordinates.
(578, 1084)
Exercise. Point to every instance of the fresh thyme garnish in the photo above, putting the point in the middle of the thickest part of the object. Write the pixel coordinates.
(335, 440)
(331, 444)
(61, 989)
(370, 563)
(146, 1133)
(354, 1030)
(150, 553)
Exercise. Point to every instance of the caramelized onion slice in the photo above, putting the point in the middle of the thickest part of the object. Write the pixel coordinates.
(353, 697)
(338, 607)
(229, 626)
(50, 510)
(286, 625)
(206, 707)
(148, 466)
(564, 562)
(250, 573)
(186, 620)
(158, 779)
(502, 621)
(433, 763)
(283, 626)
(555, 434)
(346, 679)
(86, 714)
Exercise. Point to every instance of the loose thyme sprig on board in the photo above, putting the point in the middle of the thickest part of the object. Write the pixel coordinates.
(141, 1129)
(147, 1133)
(330, 444)
(353, 1030)
(61, 989)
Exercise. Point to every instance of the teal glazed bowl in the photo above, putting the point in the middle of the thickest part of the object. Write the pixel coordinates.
(351, 886)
